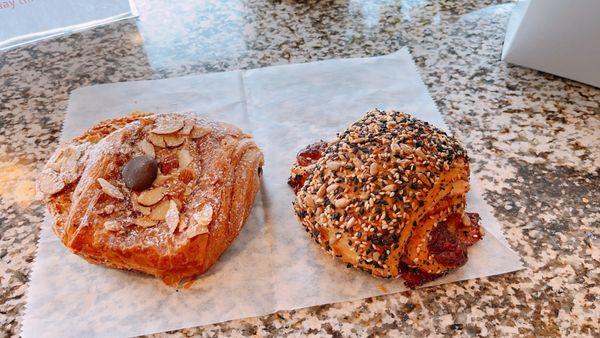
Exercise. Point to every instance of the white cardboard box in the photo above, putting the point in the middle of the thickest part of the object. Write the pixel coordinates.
(556, 36)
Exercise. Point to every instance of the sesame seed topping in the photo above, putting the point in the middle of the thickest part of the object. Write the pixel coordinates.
(371, 178)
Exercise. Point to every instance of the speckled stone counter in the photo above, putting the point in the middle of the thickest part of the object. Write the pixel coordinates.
(534, 140)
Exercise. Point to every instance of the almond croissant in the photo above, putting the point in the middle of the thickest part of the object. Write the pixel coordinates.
(161, 194)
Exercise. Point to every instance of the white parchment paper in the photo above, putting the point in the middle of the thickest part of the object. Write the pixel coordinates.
(273, 264)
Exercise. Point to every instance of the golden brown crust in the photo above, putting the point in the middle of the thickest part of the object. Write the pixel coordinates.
(379, 190)
(176, 229)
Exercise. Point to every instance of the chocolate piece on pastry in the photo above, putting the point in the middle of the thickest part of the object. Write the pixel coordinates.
(161, 194)
(388, 196)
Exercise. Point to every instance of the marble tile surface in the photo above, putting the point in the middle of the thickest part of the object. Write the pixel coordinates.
(534, 140)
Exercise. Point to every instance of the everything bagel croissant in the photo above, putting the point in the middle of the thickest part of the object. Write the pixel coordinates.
(161, 194)
(388, 196)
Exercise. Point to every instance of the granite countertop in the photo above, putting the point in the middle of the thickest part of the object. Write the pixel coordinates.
(534, 140)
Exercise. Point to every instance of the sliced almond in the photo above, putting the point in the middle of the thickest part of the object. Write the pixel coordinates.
(204, 216)
(196, 229)
(173, 140)
(160, 180)
(110, 189)
(50, 183)
(184, 158)
(201, 220)
(188, 125)
(172, 216)
(168, 127)
(198, 132)
(113, 225)
(65, 162)
(157, 140)
(69, 168)
(55, 162)
(188, 191)
(145, 222)
(136, 206)
(147, 148)
(151, 196)
(159, 212)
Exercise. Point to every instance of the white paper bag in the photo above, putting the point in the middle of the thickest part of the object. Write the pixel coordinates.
(25, 21)
(556, 36)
